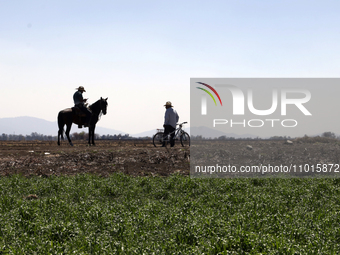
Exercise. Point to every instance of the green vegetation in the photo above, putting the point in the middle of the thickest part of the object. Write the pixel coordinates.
(88, 214)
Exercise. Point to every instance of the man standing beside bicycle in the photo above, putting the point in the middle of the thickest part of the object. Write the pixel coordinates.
(170, 120)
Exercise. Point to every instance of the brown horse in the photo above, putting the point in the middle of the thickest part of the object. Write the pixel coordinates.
(67, 117)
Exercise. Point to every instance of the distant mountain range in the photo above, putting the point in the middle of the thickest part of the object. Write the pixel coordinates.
(28, 125)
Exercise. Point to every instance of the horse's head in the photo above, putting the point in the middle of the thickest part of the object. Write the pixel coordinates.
(103, 105)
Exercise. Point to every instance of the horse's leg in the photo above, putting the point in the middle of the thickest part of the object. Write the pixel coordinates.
(59, 134)
(90, 130)
(94, 127)
(67, 132)
(61, 127)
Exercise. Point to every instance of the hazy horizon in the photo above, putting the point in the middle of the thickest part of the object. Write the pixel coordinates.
(52, 129)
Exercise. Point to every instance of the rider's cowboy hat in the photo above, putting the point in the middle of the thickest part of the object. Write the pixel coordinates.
(168, 104)
(81, 88)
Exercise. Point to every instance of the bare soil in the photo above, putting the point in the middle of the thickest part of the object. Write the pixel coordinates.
(141, 158)
(316, 156)
(137, 158)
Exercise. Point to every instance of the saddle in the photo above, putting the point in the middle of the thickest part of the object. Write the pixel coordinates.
(76, 111)
(79, 117)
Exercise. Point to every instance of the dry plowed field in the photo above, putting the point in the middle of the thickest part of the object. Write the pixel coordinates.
(141, 158)
(131, 157)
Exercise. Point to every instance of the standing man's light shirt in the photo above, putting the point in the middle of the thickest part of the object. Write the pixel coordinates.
(171, 117)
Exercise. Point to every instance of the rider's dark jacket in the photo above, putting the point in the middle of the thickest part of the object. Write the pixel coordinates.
(78, 98)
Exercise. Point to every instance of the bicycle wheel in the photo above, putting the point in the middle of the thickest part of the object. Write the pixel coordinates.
(185, 139)
(158, 139)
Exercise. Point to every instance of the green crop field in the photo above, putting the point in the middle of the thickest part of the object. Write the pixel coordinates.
(87, 214)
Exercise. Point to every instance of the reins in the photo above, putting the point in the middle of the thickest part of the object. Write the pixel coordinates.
(94, 105)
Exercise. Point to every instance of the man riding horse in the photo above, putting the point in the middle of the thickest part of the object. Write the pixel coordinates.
(79, 103)
(75, 115)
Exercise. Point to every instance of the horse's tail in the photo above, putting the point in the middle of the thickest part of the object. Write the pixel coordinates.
(61, 125)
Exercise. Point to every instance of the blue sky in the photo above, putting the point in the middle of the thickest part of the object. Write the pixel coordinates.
(141, 54)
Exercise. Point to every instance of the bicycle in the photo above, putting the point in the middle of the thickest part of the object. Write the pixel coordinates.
(180, 134)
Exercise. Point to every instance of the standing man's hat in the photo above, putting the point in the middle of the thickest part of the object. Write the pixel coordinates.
(81, 88)
(168, 104)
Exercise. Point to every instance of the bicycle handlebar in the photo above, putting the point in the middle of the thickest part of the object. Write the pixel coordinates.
(182, 123)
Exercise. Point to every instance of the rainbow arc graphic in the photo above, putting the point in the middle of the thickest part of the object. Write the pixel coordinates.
(209, 93)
